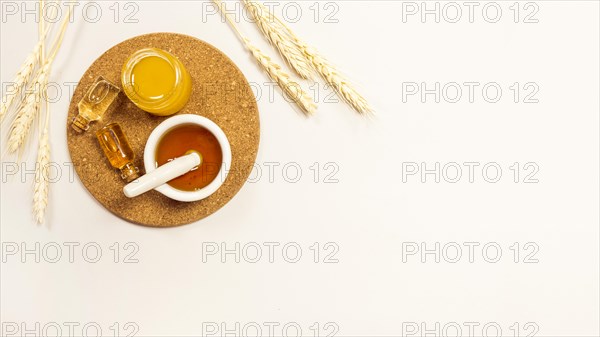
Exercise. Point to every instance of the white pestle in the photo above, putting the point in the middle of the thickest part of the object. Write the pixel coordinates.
(163, 174)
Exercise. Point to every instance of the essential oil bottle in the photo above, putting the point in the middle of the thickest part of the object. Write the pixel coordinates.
(118, 151)
(95, 103)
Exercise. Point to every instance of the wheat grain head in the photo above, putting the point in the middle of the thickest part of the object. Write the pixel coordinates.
(328, 72)
(341, 85)
(41, 183)
(291, 88)
(276, 35)
(21, 79)
(28, 111)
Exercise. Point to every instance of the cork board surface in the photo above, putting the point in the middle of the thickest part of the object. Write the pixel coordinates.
(220, 92)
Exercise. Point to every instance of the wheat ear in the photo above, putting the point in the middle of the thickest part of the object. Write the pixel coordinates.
(331, 75)
(328, 72)
(21, 79)
(28, 111)
(24, 74)
(41, 184)
(291, 88)
(279, 39)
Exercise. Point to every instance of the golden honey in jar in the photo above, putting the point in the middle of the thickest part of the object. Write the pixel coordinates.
(156, 81)
(182, 139)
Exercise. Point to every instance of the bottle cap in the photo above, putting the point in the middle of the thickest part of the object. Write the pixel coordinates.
(129, 172)
(80, 124)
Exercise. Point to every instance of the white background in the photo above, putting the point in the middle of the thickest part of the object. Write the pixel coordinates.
(371, 216)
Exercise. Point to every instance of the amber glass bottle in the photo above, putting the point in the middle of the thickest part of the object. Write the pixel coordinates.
(95, 103)
(118, 151)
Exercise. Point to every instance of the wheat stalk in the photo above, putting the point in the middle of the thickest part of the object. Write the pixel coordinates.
(28, 111)
(291, 88)
(21, 79)
(328, 72)
(30, 107)
(41, 184)
(23, 76)
(279, 39)
(337, 81)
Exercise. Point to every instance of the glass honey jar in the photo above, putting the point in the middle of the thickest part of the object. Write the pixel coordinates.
(156, 81)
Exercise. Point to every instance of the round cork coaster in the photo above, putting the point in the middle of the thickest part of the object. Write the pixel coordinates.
(220, 92)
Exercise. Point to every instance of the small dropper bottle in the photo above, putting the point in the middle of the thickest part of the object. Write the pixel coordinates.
(95, 103)
(118, 151)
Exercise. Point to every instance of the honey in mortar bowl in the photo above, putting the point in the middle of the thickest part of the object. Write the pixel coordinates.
(187, 158)
(181, 140)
